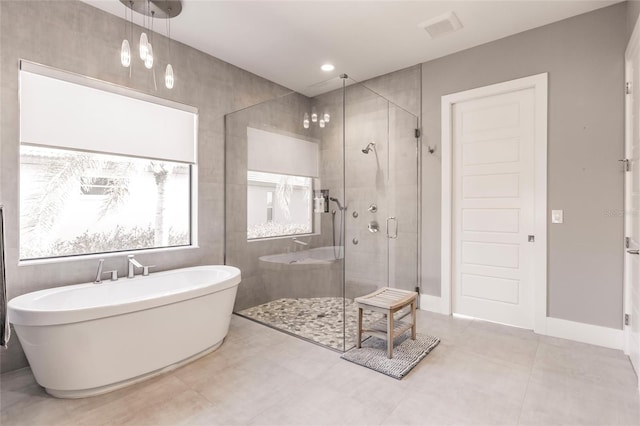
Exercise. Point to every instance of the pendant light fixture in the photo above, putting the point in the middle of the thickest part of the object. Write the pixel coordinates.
(144, 46)
(148, 60)
(168, 73)
(125, 49)
(144, 41)
(150, 9)
(320, 119)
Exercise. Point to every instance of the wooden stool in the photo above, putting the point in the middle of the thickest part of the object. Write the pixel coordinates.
(388, 301)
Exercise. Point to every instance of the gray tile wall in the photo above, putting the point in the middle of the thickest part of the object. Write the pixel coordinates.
(386, 177)
(76, 37)
(265, 282)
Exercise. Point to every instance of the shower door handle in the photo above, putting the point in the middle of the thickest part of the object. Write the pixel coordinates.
(395, 232)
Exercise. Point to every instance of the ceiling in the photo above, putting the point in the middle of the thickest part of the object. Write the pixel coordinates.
(287, 41)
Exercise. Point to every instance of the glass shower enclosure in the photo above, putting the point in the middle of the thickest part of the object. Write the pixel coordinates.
(321, 207)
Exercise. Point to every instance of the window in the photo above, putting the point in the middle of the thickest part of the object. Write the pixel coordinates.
(281, 170)
(102, 168)
(101, 185)
(77, 203)
(278, 205)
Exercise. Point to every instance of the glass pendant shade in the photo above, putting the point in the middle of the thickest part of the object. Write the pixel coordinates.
(305, 122)
(168, 77)
(148, 60)
(314, 116)
(327, 117)
(125, 53)
(144, 46)
(321, 123)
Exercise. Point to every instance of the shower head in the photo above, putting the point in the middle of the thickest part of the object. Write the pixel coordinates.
(335, 200)
(369, 147)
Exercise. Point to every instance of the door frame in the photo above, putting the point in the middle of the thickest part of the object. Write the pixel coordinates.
(633, 47)
(539, 84)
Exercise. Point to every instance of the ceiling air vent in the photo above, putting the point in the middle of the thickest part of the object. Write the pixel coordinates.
(441, 25)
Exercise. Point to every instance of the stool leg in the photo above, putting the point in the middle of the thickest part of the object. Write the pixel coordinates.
(390, 335)
(359, 327)
(413, 320)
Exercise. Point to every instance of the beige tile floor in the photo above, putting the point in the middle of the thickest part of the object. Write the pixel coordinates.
(481, 373)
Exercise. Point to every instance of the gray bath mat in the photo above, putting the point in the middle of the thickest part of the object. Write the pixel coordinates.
(407, 354)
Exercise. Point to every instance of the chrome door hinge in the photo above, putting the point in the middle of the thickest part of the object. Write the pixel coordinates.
(627, 320)
(627, 242)
(627, 88)
(626, 164)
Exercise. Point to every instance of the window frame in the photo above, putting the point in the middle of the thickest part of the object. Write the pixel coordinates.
(193, 220)
(116, 89)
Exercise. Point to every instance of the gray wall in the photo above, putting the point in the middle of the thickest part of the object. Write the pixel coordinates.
(77, 37)
(584, 58)
(633, 10)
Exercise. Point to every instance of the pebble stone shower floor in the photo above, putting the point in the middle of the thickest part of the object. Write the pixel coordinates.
(318, 319)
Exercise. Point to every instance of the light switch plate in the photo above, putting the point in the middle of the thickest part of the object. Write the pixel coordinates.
(557, 216)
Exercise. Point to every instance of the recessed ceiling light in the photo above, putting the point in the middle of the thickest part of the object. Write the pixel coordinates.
(327, 67)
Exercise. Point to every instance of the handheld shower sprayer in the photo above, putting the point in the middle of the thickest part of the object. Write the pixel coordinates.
(369, 147)
(335, 200)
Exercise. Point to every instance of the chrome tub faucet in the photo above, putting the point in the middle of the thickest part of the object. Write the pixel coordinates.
(135, 264)
(132, 265)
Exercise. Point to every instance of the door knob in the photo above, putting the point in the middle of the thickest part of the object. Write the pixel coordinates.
(633, 251)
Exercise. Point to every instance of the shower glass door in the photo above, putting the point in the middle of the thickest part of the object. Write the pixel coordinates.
(321, 198)
(381, 187)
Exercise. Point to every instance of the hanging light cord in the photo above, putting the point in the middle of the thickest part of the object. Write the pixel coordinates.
(169, 33)
(130, 34)
(153, 69)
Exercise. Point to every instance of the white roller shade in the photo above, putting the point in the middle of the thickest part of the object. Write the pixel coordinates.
(275, 153)
(65, 110)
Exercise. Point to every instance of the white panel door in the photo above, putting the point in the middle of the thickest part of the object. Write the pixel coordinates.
(493, 207)
(632, 206)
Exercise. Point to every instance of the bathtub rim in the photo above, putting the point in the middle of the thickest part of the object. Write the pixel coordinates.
(281, 258)
(21, 311)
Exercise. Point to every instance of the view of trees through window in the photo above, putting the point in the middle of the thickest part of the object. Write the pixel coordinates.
(74, 203)
(278, 205)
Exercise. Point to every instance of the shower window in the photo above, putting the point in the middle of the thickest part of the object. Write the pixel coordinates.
(75, 203)
(278, 205)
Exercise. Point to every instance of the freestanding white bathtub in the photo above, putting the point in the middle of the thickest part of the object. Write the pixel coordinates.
(87, 339)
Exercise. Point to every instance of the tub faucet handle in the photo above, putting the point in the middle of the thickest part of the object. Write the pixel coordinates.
(145, 270)
(99, 272)
(114, 274)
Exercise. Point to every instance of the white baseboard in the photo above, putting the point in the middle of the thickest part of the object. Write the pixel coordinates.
(431, 303)
(585, 333)
(554, 327)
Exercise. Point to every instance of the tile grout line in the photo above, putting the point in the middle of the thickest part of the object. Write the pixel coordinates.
(526, 391)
